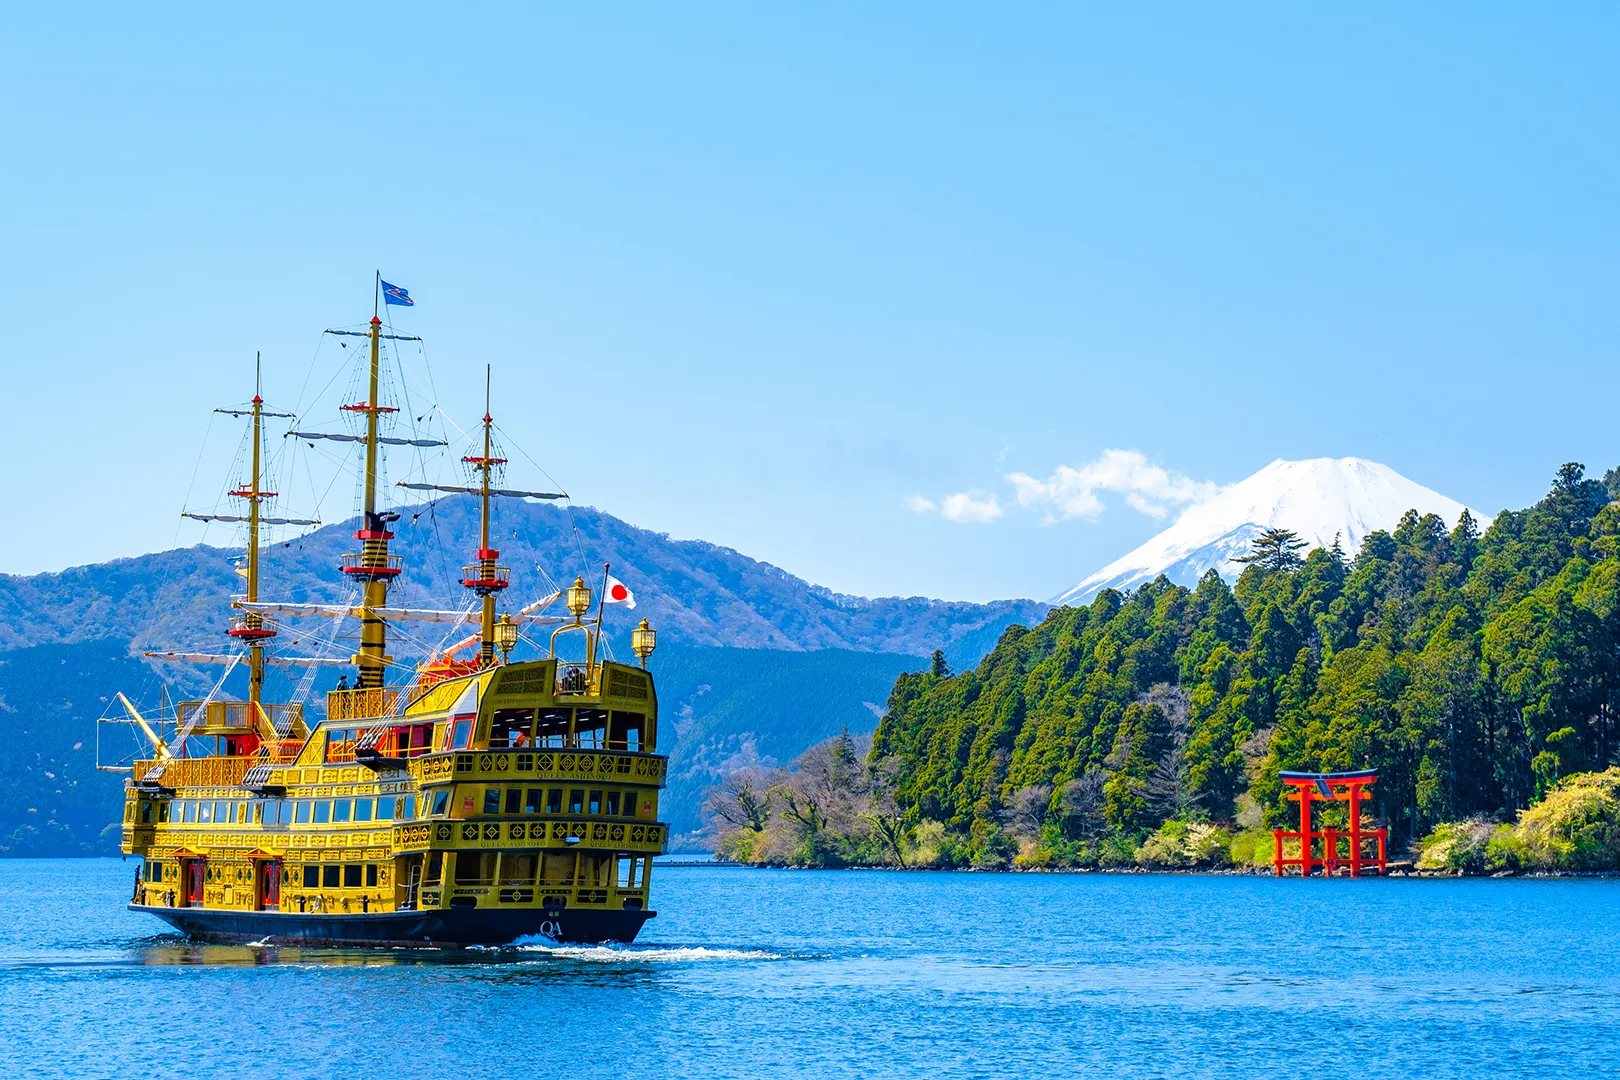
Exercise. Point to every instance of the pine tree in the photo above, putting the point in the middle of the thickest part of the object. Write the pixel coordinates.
(1276, 551)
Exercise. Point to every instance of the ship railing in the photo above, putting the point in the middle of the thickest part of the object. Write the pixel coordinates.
(579, 680)
(197, 772)
(366, 704)
(237, 717)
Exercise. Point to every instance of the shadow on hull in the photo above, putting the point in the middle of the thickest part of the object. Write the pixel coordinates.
(456, 926)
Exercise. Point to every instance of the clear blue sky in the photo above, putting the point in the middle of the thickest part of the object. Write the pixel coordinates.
(763, 274)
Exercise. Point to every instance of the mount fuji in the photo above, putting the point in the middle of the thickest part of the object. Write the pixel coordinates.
(1320, 499)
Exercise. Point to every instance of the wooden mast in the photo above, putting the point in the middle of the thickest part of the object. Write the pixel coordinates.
(374, 568)
(255, 646)
(486, 578)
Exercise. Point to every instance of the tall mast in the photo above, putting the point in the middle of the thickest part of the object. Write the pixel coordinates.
(250, 627)
(486, 578)
(256, 650)
(373, 567)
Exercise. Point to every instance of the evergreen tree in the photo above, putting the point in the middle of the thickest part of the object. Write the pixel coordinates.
(1276, 551)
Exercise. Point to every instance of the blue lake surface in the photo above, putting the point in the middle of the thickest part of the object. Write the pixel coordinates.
(750, 973)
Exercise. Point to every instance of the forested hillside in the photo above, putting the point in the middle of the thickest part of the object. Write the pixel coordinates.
(1476, 673)
(1472, 671)
(54, 802)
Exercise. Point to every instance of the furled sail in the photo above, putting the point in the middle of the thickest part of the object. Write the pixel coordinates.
(383, 439)
(509, 493)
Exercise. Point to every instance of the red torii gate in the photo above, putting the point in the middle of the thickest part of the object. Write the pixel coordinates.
(1348, 787)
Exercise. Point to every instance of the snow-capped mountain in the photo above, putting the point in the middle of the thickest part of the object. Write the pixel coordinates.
(1319, 499)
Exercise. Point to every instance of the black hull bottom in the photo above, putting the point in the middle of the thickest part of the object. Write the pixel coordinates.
(455, 926)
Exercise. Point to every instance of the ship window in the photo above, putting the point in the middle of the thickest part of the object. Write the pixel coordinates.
(594, 870)
(341, 809)
(638, 878)
(312, 876)
(410, 806)
(302, 816)
(551, 727)
(146, 813)
(351, 876)
(590, 729)
(222, 813)
(371, 875)
(532, 800)
(323, 812)
(626, 731)
(205, 813)
(558, 869)
(163, 812)
(362, 809)
(435, 868)
(517, 867)
(385, 809)
(554, 801)
(514, 796)
(492, 800)
(441, 802)
(612, 804)
(626, 871)
(475, 868)
(188, 811)
(510, 727)
(331, 876)
(576, 801)
(596, 802)
(461, 737)
(629, 804)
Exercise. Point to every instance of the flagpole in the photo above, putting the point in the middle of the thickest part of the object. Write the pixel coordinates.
(600, 604)
(376, 294)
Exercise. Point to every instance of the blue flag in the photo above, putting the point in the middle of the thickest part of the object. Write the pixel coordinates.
(393, 294)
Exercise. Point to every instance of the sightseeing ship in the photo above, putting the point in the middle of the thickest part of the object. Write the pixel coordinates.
(475, 801)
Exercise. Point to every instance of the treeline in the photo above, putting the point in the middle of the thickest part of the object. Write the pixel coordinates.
(1476, 673)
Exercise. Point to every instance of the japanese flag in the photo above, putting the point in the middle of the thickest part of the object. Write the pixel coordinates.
(619, 593)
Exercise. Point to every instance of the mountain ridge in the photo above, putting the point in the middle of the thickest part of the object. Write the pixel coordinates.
(694, 592)
(1323, 500)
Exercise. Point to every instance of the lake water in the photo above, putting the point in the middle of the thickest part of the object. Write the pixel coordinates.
(749, 973)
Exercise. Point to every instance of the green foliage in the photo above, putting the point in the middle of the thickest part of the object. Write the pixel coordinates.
(1275, 551)
(1181, 845)
(1576, 827)
(1464, 846)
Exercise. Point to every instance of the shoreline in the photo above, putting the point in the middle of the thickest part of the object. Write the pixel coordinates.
(1404, 871)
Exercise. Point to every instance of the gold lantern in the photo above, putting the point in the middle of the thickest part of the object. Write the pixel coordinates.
(643, 640)
(579, 598)
(506, 636)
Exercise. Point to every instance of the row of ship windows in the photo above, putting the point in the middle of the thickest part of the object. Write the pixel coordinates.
(278, 811)
(527, 801)
(580, 802)
(552, 868)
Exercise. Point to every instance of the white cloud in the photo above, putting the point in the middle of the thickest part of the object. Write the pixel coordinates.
(980, 507)
(1071, 492)
(917, 504)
